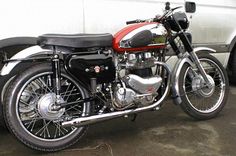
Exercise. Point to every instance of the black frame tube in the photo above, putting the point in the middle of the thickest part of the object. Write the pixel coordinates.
(187, 45)
(29, 59)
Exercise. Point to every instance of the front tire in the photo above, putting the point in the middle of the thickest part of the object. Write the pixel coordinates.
(28, 109)
(199, 101)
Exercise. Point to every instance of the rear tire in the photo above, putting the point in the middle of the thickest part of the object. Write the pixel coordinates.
(4, 84)
(201, 102)
(28, 109)
(4, 87)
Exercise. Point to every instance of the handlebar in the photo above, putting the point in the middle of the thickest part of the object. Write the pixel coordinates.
(135, 21)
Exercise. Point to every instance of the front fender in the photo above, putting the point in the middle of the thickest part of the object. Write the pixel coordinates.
(175, 77)
(177, 69)
(26, 53)
(203, 49)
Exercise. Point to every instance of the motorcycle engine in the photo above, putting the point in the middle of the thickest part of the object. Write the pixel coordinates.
(139, 85)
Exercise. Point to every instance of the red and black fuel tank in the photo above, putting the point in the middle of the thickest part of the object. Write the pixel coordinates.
(139, 37)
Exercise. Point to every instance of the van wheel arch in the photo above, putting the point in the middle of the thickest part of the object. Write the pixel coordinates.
(231, 68)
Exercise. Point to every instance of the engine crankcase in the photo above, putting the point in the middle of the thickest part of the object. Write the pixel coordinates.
(144, 85)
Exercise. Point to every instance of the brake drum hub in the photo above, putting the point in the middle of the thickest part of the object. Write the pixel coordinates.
(45, 107)
(199, 86)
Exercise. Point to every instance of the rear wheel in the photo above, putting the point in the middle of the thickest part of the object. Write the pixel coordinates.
(29, 112)
(198, 100)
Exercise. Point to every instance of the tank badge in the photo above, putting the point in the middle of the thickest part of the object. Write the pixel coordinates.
(97, 69)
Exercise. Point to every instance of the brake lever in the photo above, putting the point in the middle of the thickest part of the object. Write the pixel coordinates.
(176, 8)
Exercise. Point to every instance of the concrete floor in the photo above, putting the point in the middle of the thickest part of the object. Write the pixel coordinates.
(167, 132)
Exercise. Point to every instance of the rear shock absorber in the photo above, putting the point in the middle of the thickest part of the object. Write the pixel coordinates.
(56, 69)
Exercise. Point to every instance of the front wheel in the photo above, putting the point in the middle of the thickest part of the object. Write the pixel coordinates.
(29, 109)
(198, 100)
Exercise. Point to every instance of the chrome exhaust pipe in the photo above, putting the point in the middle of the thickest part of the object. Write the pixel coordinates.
(83, 121)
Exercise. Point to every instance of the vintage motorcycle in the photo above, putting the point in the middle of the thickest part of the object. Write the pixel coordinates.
(83, 79)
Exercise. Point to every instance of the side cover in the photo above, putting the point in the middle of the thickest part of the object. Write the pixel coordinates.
(84, 67)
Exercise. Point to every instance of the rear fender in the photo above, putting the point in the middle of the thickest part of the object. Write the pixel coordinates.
(17, 41)
(26, 53)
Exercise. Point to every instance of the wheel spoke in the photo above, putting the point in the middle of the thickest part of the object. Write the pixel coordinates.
(74, 94)
(45, 86)
(25, 103)
(59, 129)
(66, 90)
(77, 110)
(42, 130)
(69, 94)
(34, 93)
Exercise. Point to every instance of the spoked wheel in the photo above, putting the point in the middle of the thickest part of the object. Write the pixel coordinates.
(199, 100)
(30, 109)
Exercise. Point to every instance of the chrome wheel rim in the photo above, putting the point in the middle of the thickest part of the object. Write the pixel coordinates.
(34, 111)
(203, 99)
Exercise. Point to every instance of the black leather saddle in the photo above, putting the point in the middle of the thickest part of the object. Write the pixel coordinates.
(76, 40)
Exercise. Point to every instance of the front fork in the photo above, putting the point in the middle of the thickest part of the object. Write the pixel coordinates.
(203, 73)
(194, 58)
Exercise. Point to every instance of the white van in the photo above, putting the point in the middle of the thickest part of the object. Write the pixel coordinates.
(212, 25)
